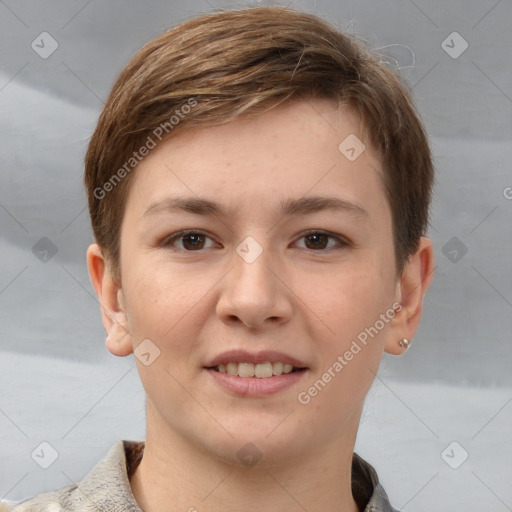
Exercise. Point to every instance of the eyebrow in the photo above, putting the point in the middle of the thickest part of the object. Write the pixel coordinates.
(296, 207)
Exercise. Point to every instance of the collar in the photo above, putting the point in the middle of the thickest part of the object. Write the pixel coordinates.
(107, 486)
(369, 494)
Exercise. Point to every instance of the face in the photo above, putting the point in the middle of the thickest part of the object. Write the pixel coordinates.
(259, 242)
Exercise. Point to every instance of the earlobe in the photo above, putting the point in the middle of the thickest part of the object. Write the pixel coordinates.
(110, 295)
(414, 283)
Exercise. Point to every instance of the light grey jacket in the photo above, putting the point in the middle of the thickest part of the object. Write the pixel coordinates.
(107, 487)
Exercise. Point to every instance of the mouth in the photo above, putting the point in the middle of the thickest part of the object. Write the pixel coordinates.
(265, 370)
(261, 374)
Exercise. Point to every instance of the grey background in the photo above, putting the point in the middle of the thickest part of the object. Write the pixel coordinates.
(57, 381)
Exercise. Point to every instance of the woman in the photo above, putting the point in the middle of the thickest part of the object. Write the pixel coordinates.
(259, 187)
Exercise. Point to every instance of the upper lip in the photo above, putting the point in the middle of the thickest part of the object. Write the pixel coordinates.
(265, 356)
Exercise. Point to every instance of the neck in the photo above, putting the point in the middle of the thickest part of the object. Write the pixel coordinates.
(175, 475)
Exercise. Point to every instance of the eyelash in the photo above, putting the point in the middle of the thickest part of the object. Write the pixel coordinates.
(170, 240)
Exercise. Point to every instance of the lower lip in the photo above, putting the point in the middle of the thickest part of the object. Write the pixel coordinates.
(253, 386)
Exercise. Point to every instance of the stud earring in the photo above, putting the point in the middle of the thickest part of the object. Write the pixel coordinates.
(404, 343)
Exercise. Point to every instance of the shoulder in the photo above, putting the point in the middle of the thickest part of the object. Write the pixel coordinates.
(106, 487)
(46, 502)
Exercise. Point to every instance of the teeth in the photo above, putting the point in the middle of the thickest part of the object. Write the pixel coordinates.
(277, 368)
(260, 370)
(246, 370)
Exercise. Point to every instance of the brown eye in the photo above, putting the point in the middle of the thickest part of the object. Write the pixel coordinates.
(319, 240)
(189, 241)
(193, 242)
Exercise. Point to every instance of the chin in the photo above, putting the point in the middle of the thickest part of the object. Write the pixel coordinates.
(257, 444)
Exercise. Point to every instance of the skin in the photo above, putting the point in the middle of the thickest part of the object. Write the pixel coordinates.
(308, 298)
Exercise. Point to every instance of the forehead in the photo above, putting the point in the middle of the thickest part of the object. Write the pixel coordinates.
(251, 162)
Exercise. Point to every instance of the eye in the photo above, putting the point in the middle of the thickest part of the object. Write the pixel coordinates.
(319, 240)
(191, 240)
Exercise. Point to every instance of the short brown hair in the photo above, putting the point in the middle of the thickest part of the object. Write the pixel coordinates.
(211, 69)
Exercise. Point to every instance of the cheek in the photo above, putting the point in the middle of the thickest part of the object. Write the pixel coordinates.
(349, 350)
(164, 305)
(164, 310)
(154, 303)
(349, 299)
(348, 332)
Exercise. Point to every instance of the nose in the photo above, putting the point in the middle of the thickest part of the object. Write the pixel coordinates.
(253, 294)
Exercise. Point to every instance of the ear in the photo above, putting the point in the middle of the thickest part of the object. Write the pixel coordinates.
(110, 295)
(414, 283)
